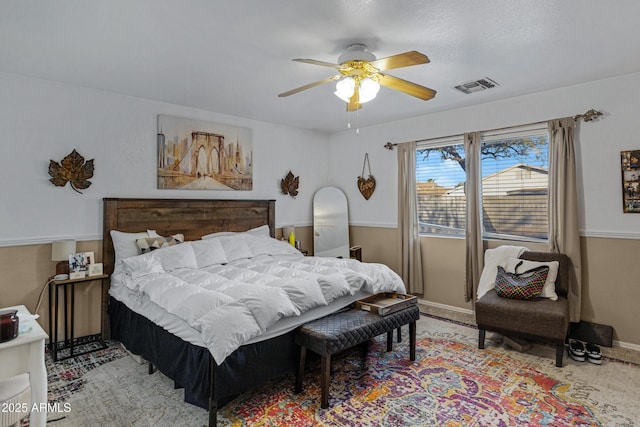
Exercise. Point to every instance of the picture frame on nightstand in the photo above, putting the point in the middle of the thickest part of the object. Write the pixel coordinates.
(78, 265)
(95, 269)
(90, 257)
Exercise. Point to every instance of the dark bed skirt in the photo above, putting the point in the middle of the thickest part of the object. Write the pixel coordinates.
(188, 365)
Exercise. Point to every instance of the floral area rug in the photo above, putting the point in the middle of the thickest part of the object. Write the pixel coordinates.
(451, 383)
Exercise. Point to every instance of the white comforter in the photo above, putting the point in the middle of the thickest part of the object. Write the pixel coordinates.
(232, 302)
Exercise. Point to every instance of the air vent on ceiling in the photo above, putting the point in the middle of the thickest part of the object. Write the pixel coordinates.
(477, 85)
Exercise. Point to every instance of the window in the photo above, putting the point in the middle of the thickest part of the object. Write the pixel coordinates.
(514, 186)
(515, 183)
(440, 180)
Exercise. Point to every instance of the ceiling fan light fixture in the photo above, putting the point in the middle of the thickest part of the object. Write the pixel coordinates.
(368, 90)
(345, 88)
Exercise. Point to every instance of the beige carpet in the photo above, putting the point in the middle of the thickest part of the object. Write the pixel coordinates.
(121, 393)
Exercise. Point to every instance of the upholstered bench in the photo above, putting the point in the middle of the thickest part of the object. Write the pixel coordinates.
(340, 331)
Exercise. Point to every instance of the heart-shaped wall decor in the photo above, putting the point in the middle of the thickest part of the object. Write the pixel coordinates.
(367, 186)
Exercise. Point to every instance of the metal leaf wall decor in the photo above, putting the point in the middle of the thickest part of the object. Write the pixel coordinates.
(72, 169)
(290, 184)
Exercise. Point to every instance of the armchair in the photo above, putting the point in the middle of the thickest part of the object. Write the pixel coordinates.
(539, 320)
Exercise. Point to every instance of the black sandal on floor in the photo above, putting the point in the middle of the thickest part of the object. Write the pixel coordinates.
(594, 355)
(576, 350)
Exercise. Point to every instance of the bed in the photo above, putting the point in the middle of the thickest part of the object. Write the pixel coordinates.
(134, 311)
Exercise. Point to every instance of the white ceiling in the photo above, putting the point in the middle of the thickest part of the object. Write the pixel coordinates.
(234, 57)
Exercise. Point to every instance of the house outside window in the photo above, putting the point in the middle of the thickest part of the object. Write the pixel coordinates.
(514, 185)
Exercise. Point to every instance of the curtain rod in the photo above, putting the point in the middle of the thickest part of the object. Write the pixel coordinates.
(587, 117)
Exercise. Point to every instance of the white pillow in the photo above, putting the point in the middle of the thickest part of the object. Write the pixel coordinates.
(208, 252)
(549, 288)
(266, 245)
(218, 234)
(142, 265)
(124, 246)
(178, 256)
(263, 230)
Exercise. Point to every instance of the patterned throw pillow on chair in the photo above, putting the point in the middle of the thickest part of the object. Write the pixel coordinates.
(525, 286)
(152, 243)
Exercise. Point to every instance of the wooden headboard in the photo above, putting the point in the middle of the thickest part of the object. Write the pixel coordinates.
(191, 217)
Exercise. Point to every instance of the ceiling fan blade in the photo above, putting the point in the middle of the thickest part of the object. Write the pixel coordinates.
(401, 60)
(316, 62)
(354, 102)
(309, 86)
(409, 88)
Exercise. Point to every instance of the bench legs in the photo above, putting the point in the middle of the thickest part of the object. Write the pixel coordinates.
(390, 338)
(300, 374)
(325, 364)
(325, 376)
(412, 341)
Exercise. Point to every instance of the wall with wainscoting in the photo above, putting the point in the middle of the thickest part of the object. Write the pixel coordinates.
(43, 120)
(610, 239)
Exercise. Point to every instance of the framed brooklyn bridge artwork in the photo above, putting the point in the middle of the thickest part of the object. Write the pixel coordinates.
(201, 155)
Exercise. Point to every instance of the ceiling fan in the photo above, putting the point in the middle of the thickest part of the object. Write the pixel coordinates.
(360, 75)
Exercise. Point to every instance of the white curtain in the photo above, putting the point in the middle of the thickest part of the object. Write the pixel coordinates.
(408, 219)
(564, 234)
(473, 237)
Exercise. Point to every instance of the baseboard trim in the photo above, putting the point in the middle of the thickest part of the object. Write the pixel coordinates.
(627, 345)
(445, 306)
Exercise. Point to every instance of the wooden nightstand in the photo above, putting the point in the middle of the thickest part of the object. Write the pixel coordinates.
(68, 288)
(355, 252)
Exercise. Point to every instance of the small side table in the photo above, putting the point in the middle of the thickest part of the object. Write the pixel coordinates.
(68, 288)
(355, 252)
(23, 354)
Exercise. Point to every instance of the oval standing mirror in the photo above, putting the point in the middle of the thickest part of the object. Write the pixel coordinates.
(330, 223)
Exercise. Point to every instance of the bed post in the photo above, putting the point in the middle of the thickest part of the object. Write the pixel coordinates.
(213, 405)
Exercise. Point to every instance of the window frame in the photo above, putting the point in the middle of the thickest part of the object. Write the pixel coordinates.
(438, 143)
(536, 130)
